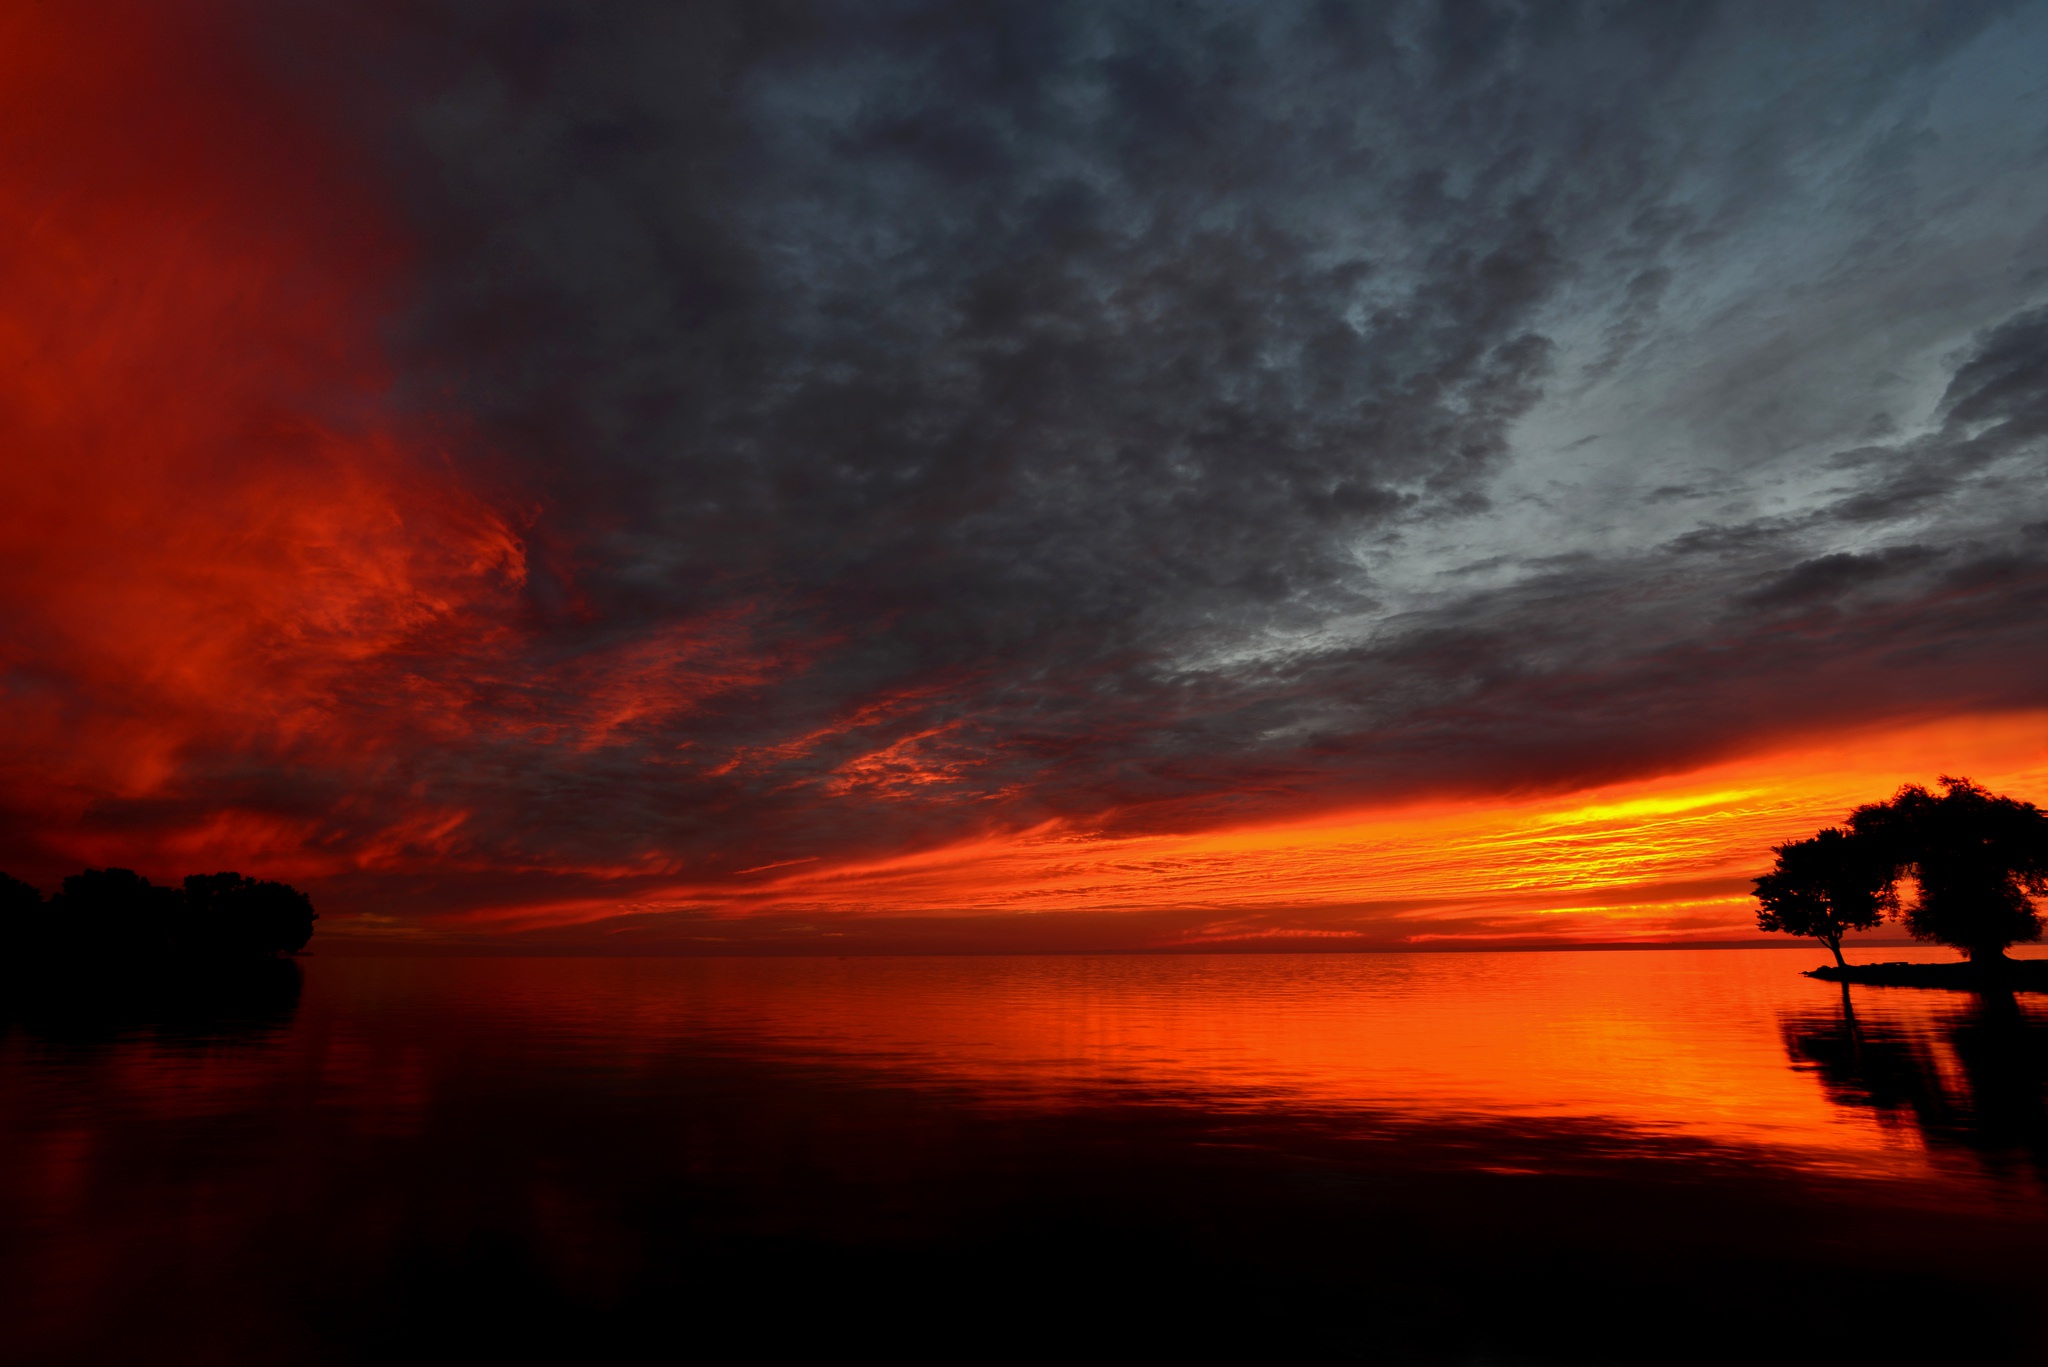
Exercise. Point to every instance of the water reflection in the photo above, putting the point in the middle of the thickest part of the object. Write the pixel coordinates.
(197, 1004)
(1444, 1158)
(1968, 1077)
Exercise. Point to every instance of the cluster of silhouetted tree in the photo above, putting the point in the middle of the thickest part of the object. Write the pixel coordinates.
(1977, 860)
(117, 915)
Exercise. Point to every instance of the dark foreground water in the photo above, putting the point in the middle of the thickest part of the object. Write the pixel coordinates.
(1572, 1157)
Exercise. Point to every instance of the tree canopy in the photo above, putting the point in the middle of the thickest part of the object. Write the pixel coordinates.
(1824, 887)
(1976, 860)
(21, 907)
(227, 913)
(117, 914)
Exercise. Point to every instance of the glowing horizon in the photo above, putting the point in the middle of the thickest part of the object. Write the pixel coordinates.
(1662, 860)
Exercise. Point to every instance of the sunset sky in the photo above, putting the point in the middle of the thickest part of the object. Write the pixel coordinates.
(697, 477)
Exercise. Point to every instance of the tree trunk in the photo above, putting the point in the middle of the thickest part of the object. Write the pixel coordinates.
(1836, 945)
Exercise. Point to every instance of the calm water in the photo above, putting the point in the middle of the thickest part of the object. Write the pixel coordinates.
(1461, 1157)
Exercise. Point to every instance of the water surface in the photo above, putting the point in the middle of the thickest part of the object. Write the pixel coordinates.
(1642, 1156)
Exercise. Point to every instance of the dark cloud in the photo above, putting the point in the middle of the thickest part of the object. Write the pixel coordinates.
(922, 417)
(1054, 373)
(2001, 380)
(1826, 578)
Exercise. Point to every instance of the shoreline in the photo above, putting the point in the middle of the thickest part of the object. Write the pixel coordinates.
(2006, 975)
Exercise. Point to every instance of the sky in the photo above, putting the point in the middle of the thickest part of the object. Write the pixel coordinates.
(767, 476)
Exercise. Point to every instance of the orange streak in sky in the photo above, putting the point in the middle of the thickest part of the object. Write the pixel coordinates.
(1669, 858)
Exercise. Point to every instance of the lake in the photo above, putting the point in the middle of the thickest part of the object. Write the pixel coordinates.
(1461, 1157)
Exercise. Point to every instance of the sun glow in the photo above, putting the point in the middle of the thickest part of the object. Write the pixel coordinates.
(1662, 859)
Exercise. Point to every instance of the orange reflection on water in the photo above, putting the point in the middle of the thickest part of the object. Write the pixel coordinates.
(611, 1120)
(1684, 1046)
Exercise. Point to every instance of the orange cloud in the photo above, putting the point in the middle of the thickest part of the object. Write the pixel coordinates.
(207, 526)
(1661, 859)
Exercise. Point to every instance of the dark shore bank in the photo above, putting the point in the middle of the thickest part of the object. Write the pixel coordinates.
(2001, 975)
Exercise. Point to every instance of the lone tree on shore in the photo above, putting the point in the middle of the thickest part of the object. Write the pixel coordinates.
(1977, 860)
(1823, 888)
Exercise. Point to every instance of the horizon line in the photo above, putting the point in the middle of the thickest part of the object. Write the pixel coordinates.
(370, 949)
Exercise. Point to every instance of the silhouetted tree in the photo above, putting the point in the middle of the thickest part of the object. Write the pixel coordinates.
(111, 914)
(1824, 887)
(232, 916)
(1978, 859)
(21, 916)
(117, 915)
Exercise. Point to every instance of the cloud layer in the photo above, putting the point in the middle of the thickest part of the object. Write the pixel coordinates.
(628, 442)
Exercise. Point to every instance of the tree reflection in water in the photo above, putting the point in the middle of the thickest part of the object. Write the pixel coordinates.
(193, 1003)
(1970, 1079)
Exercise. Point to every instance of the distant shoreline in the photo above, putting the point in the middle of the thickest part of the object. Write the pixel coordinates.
(343, 947)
